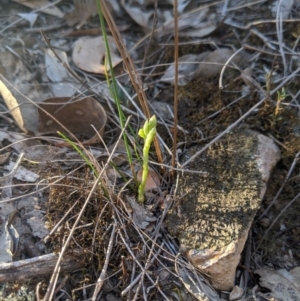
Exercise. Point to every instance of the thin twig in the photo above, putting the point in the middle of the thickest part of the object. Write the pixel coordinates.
(282, 185)
(176, 58)
(276, 219)
(257, 23)
(225, 65)
(101, 279)
(139, 264)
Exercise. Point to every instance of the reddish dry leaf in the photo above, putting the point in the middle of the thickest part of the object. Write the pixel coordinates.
(153, 180)
(76, 116)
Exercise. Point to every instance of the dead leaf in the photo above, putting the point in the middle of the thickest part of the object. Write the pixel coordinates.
(21, 91)
(121, 148)
(76, 115)
(62, 84)
(42, 5)
(284, 10)
(145, 12)
(284, 285)
(45, 153)
(186, 69)
(83, 10)
(22, 173)
(141, 216)
(246, 77)
(153, 180)
(195, 23)
(18, 141)
(4, 157)
(6, 242)
(30, 17)
(9, 238)
(13, 106)
(161, 109)
(139, 14)
(201, 28)
(212, 65)
(89, 54)
(34, 220)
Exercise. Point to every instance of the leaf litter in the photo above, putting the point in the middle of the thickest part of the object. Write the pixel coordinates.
(210, 36)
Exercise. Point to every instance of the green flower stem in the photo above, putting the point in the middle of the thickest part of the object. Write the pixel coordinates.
(114, 89)
(147, 133)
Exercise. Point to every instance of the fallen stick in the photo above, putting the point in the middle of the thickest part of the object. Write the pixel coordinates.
(39, 266)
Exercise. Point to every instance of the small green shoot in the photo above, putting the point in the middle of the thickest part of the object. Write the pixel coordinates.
(268, 82)
(281, 95)
(147, 133)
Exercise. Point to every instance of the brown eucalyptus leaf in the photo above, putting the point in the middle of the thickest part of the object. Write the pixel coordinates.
(76, 116)
(153, 180)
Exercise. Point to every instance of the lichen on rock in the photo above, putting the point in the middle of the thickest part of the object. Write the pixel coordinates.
(216, 210)
(216, 207)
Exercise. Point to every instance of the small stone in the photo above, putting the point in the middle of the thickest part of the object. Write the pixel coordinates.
(236, 293)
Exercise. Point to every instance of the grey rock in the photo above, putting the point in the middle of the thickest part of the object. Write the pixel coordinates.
(213, 218)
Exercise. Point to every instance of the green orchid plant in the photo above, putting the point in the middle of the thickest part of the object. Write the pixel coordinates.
(147, 133)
